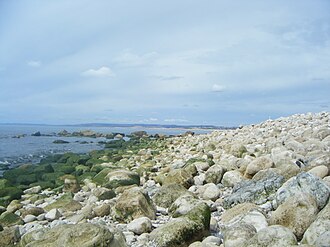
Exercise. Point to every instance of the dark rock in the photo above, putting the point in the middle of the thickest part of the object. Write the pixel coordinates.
(60, 142)
(256, 191)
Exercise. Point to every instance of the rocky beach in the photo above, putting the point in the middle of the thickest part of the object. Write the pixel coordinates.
(261, 185)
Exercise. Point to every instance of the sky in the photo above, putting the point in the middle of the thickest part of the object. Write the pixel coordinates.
(184, 62)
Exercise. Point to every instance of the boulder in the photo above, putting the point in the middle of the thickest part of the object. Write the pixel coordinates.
(9, 236)
(256, 191)
(237, 210)
(140, 225)
(214, 174)
(319, 227)
(102, 210)
(190, 226)
(304, 183)
(133, 204)
(296, 213)
(33, 190)
(179, 176)
(272, 236)
(10, 219)
(167, 194)
(236, 235)
(260, 163)
(209, 192)
(70, 184)
(319, 171)
(118, 178)
(79, 235)
(53, 214)
(231, 178)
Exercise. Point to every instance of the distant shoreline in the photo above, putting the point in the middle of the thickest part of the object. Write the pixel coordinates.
(152, 126)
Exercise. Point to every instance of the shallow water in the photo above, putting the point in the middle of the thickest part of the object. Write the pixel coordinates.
(30, 149)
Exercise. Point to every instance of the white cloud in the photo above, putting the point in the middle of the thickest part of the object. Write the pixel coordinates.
(101, 72)
(218, 88)
(34, 63)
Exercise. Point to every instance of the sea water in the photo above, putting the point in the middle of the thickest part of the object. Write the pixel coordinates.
(30, 149)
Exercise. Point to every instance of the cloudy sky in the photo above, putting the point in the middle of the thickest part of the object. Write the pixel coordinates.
(223, 62)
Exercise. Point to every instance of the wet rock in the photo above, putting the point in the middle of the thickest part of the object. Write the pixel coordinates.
(10, 219)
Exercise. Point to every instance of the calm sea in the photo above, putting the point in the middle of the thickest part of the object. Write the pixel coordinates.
(30, 149)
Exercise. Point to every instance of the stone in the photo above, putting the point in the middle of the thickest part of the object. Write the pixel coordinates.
(179, 176)
(103, 193)
(272, 236)
(184, 230)
(140, 225)
(70, 184)
(118, 178)
(238, 234)
(256, 191)
(232, 178)
(254, 218)
(237, 210)
(210, 192)
(238, 150)
(102, 210)
(304, 183)
(29, 218)
(9, 236)
(214, 174)
(319, 171)
(260, 163)
(32, 211)
(14, 205)
(296, 213)
(10, 219)
(53, 214)
(167, 194)
(201, 166)
(211, 239)
(133, 204)
(33, 190)
(320, 226)
(79, 235)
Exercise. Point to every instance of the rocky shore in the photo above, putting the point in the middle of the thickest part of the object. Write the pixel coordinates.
(261, 185)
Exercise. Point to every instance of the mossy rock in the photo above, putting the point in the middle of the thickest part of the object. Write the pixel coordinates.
(115, 144)
(8, 194)
(88, 175)
(27, 179)
(12, 174)
(44, 184)
(51, 159)
(53, 177)
(167, 194)
(61, 202)
(93, 161)
(10, 219)
(100, 178)
(4, 183)
(43, 168)
(65, 168)
(82, 169)
(121, 177)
